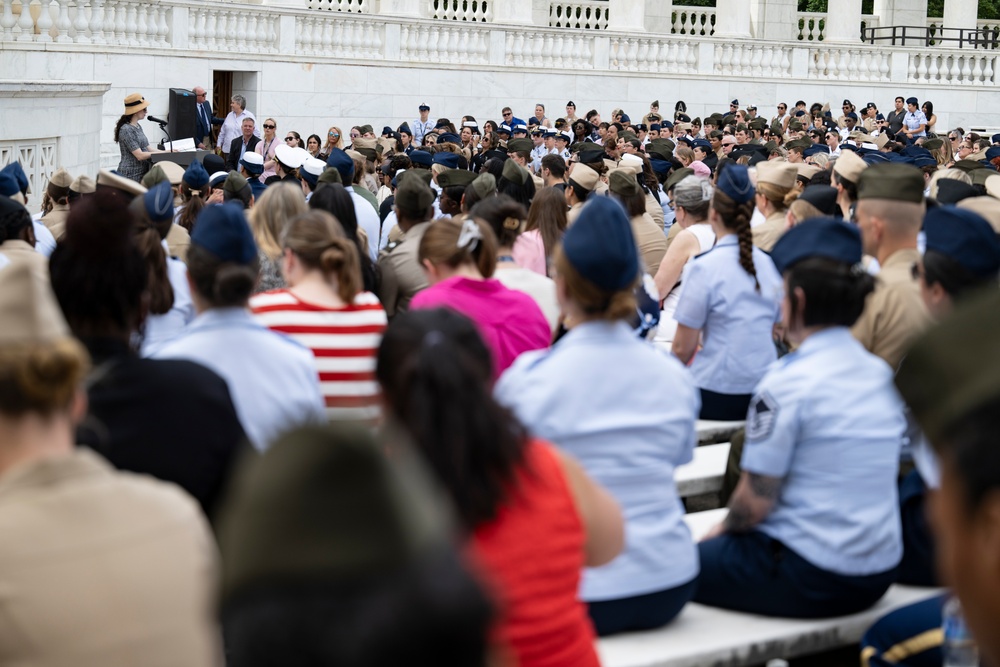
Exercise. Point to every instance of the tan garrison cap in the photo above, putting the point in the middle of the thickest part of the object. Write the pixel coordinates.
(61, 178)
(987, 207)
(83, 185)
(584, 176)
(775, 172)
(28, 308)
(849, 166)
(120, 183)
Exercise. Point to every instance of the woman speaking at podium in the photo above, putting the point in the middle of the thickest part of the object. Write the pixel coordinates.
(132, 141)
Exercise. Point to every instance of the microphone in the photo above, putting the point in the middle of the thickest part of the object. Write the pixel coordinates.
(156, 120)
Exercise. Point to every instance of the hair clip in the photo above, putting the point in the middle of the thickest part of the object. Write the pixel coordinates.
(470, 236)
(511, 223)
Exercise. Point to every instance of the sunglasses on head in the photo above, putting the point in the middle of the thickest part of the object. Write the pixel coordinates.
(269, 127)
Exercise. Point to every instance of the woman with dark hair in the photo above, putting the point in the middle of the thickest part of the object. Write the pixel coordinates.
(459, 260)
(194, 192)
(828, 419)
(521, 503)
(103, 284)
(336, 200)
(170, 305)
(617, 424)
(314, 144)
(273, 380)
(17, 238)
(136, 553)
(516, 182)
(547, 222)
(730, 304)
(135, 150)
(928, 109)
(326, 309)
(505, 217)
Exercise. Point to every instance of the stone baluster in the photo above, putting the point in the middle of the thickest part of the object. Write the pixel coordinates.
(44, 22)
(25, 25)
(63, 25)
(142, 25)
(81, 25)
(7, 20)
(977, 70)
(96, 27)
(198, 33)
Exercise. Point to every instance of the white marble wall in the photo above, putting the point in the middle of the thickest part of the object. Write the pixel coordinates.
(66, 114)
(310, 97)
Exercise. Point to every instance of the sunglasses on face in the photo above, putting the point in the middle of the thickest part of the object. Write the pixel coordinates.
(269, 127)
(334, 135)
(289, 138)
(355, 136)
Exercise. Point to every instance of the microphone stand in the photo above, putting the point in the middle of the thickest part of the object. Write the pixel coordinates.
(163, 129)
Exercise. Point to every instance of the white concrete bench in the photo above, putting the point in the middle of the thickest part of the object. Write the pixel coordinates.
(710, 431)
(705, 472)
(708, 636)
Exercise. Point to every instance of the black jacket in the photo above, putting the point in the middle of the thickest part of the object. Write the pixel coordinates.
(235, 146)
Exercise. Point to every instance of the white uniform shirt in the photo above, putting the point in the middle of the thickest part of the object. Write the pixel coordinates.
(368, 221)
(827, 420)
(232, 127)
(736, 321)
(272, 379)
(45, 243)
(627, 412)
(162, 328)
(420, 129)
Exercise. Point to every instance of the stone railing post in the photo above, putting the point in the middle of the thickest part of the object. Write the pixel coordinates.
(409, 8)
(659, 15)
(627, 15)
(774, 19)
(179, 27)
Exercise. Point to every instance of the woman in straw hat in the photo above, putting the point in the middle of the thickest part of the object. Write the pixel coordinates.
(132, 141)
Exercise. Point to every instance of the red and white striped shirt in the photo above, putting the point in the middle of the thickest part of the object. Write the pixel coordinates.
(344, 342)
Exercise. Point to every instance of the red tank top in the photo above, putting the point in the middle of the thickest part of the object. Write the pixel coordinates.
(532, 554)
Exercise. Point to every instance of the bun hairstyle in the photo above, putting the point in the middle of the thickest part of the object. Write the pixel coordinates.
(436, 375)
(318, 240)
(336, 200)
(14, 220)
(779, 197)
(149, 240)
(40, 377)
(504, 216)
(451, 243)
(221, 284)
(98, 274)
(835, 292)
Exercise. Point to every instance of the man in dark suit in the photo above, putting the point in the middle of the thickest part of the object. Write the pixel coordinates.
(242, 144)
(205, 118)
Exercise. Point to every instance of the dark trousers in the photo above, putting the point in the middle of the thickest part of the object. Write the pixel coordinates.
(917, 566)
(910, 637)
(754, 573)
(642, 612)
(724, 407)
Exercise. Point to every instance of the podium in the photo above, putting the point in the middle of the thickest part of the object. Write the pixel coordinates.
(183, 158)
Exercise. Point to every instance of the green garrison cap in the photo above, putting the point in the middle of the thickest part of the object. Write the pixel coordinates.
(898, 182)
(455, 177)
(676, 177)
(931, 144)
(515, 145)
(623, 182)
(514, 172)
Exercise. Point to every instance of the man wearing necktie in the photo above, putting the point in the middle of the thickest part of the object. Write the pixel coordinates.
(203, 128)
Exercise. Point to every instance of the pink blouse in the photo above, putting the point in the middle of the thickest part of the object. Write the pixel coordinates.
(509, 321)
(259, 149)
(529, 252)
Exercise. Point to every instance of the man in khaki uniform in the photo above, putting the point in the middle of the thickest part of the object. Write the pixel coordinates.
(97, 567)
(402, 274)
(582, 181)
(890, 210)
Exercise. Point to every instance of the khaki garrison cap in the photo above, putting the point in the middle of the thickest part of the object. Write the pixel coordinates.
(584, 177)
(849, 166)
(28, 308)
(781, 174)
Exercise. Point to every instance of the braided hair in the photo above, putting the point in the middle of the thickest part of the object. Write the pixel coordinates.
(736, 218)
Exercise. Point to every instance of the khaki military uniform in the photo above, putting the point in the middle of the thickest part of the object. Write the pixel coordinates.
(672, 233)
(402, 274)
(767, 233)
(22, 252)
(178, 241)
(894, 313)
(100, 567)
(55, 220)
(574, 212)
(654, 210)
(651, 242)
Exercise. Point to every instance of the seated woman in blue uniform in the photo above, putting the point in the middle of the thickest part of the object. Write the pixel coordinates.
(730, 304)
(813, 528)
(625, 411)
(962, 257)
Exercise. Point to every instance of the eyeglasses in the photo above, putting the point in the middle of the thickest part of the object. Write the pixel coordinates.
(289, 138)
(269, 127)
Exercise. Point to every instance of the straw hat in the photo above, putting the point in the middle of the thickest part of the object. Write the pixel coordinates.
(135, 103)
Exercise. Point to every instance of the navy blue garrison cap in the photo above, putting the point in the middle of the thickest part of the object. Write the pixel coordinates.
(222, 229)
(964, 236)
(601, 247)
(829, 238)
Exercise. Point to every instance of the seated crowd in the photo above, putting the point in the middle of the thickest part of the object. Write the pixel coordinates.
(421, 399)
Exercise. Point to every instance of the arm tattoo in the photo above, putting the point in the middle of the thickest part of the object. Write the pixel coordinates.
(742, 517)
(765, 487)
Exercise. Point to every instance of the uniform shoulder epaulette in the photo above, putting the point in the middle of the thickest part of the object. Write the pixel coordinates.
(392, 245)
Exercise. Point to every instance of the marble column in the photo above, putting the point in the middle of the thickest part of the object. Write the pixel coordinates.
(511, 11)
(771, 19)
(843, 22)
(961, 13)
(627, 15)
(732, 18)
(901, 12)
